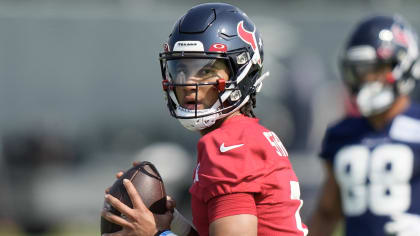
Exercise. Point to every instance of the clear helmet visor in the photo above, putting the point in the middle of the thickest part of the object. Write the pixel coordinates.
(356, 74)
(197, 70)
(196, 81)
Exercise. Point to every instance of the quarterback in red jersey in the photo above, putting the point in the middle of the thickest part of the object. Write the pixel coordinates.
(243, 182)
(243, 168)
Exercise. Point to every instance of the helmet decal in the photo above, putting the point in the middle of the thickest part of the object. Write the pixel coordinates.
(399, 35)
(195, 46)
(363, 52)
(247, 36)
(166, 47)
(218, 47)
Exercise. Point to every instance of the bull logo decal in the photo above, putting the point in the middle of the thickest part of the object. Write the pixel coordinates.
(247, 36)
(399, 35)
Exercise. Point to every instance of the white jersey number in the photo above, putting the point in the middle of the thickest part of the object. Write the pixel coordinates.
(388, 168)
(276, 143)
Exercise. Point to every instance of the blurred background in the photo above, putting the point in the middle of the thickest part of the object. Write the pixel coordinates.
(81, 98)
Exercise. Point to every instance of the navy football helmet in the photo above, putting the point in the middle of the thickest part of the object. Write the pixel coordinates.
(206, 35)
(376, 42)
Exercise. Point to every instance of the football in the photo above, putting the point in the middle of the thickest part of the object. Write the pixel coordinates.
(148, 183)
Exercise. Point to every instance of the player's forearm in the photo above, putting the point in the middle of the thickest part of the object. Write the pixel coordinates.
(242, 224)
(181, 226)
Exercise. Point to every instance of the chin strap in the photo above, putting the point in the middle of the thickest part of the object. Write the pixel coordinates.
(196, 124)
(374, 98)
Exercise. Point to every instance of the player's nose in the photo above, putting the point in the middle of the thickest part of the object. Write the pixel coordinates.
(191, 84)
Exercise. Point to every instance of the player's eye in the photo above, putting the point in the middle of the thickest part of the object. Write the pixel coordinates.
(180, 69)
(206, 73)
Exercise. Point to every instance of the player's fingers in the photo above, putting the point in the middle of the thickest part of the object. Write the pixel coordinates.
(115, 219)
(134, 195)
(136, 163)
(117, 204)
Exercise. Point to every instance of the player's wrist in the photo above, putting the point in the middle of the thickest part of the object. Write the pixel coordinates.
(179, 224)
(165, 232)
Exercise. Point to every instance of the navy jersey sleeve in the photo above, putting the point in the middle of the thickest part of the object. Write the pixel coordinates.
(343, 133)
(327, 151)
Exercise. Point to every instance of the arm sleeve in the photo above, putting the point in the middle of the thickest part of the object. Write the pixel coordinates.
(328, 148)
(231, 204)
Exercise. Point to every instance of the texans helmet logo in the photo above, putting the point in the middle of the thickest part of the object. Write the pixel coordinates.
(399, 35)
(166, 47)
(247, 36)
(218, 47)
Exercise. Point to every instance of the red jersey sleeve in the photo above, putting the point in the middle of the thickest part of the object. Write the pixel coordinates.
(231, 204)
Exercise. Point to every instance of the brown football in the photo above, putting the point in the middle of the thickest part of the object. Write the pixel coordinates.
(149, 185)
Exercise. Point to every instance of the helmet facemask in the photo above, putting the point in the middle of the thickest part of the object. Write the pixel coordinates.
(371, 84)
(207, 32)
(198, 73)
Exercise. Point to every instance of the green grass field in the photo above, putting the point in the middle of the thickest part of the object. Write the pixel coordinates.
(67, 230)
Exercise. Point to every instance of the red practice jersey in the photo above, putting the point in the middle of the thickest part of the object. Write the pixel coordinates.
(243, 168)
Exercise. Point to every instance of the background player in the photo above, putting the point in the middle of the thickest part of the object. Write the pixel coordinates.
(243, 183)
(373, 161)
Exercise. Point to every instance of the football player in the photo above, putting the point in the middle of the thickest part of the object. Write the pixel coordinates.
(243, 182)
(373, 160)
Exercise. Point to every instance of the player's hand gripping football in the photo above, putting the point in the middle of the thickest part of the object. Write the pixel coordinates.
(137, 221)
